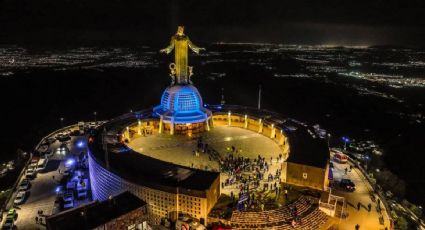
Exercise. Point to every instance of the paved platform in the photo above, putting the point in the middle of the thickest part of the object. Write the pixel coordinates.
(179, 149)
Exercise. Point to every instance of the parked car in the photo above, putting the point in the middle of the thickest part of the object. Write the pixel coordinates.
(11, 214)
(8, 224)
(82, 194)
(31, 172)
(75, 133)
(63, 137)
(68, 204)
(69, 195)
(41, 164)
(25, 184)
(3, 171)
(347, 185)
(10, 165)
(51, 140)
(20, 197)
(70, 185)
(340, 158)
(34, 162)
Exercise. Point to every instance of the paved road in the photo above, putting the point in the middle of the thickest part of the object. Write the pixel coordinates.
(366, 220)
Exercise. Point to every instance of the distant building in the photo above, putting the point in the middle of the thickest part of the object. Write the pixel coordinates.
(124, 211)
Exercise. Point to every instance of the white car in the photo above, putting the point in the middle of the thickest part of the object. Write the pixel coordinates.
(31, 172)
(81, 194)
(68, 196)
(25, 184)
(68, 204)
(3, 171)
(20, 197)
(34, 162)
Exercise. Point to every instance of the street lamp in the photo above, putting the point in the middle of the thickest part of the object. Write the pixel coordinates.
(95, 116)
(61, 119)
(345, 140)
(367, 159)
(329, 138)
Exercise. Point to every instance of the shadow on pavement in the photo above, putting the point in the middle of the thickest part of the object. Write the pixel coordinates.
(350, 204)
(52, 165)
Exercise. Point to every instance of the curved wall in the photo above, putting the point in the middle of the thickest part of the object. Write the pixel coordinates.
(160, 204)
(103, 182)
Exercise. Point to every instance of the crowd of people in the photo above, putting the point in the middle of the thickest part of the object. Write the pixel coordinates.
(250, 176)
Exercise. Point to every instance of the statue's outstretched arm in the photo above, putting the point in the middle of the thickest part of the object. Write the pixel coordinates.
(169, 48)
(194, 48)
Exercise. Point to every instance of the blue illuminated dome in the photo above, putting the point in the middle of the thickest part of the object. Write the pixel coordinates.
(182, 104)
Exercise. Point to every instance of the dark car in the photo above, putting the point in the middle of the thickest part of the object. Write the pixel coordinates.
(75, 133)
(347, 185)
(63, 137)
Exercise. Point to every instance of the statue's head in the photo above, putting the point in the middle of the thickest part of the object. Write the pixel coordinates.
(180, 30)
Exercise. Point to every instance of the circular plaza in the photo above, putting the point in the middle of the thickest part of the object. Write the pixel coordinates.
(199, 152)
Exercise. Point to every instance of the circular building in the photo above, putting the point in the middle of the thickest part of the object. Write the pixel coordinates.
(174, 156)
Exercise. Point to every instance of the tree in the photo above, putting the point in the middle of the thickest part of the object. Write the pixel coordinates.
(401, 223)
(415, 209)
(390, 181)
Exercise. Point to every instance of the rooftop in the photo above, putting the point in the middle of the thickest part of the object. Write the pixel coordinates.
(182, 104)
(307, 150)
(95, 213)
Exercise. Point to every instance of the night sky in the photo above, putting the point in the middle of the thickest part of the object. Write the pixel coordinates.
(334, 22)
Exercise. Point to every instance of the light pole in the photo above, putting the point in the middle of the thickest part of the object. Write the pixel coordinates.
(222, 102)
(329, 138)
(367, 159)
(61, 119)
(95, 116)
(345, 140)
